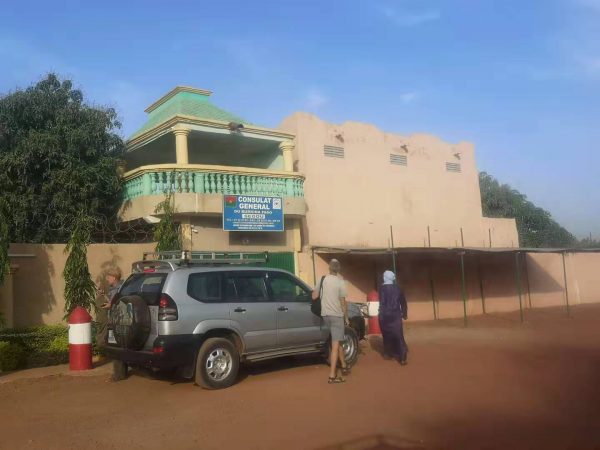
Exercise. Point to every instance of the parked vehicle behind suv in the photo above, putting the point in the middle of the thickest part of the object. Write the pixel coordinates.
(205, 320)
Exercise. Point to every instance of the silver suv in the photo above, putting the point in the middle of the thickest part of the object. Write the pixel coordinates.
(204, 320)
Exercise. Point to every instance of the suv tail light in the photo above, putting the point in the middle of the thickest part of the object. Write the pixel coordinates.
(158, 349)
(167, 309)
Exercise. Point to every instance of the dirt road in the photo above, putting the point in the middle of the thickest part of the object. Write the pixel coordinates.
(496, 384)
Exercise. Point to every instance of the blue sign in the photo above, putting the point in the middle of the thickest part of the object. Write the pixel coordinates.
(252, 213)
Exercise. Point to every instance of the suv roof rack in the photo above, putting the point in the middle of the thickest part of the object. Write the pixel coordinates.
(172, 260)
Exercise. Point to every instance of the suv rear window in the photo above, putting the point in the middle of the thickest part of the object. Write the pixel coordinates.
(205, 287)
(146, 285)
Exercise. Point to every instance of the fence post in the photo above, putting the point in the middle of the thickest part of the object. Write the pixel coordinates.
(566, 286)
(463, 285)
(481, 284)
(518, 276)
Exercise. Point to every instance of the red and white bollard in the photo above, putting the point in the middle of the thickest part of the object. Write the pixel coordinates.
(373, 304)
(80, 339)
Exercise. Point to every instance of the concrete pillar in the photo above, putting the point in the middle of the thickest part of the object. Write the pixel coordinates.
(297, 240)
(287, 149)
(181, 144)
(187, 236)
(296, 224)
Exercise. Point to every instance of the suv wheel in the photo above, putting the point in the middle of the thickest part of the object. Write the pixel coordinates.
(217, 364)
(350, 346)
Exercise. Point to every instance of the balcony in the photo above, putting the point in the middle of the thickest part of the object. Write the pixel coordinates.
(199, 188)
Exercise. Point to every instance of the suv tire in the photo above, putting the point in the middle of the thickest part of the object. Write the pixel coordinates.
(130, 321)
(350, 345)
(217, 364)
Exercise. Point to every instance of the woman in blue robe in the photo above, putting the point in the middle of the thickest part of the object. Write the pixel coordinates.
(392, 309)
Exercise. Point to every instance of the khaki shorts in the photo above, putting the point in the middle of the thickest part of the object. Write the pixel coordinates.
(336, 327)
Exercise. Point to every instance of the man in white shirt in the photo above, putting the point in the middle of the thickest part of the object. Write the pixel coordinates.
(332, 290)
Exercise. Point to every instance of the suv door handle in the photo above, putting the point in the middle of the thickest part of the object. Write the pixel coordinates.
(241, 310)
(282, 308)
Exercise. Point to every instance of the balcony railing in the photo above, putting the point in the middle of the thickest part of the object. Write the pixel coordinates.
(152, 181)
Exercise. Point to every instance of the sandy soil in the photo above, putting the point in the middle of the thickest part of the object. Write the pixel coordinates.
(496, 384)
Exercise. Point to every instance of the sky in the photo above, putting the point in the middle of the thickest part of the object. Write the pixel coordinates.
(518, 78)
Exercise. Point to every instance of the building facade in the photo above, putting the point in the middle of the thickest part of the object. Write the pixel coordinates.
(349, 186)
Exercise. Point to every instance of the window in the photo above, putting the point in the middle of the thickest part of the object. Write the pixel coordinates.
(145, 285)
(285, 289)
(333, 152)
(205, 287)
(398, 160)
(453, 167)
(246, 288)
(230, 291)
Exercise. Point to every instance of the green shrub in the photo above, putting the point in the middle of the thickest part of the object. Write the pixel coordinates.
(59, 344)
(43, 336)
(97, 328)
(47, 358)
(43, 345)
(12, 356)
(34, 339)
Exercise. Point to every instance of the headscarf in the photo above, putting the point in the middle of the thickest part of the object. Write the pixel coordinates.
(388, 277)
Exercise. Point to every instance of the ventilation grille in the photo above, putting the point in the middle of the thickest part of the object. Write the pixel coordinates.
(453, 167)
(333, 152)
(398, 160)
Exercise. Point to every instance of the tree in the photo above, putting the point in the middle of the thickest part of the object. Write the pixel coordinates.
(4, 241)
(535, 226)
(166, 233)
(58, 156)
(80, 290)
(589, 243)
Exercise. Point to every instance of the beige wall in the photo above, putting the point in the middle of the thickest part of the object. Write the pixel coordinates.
(353, 201)
(582, 272)
(542, 282)
(38, 284)
(416, 274)
(7, 298)
(503, 233)
(211, 237)
(546, 276)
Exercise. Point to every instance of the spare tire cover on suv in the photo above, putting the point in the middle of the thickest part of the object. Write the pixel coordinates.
(130, 319)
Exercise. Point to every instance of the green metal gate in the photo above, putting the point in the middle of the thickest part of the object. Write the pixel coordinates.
(279, 260)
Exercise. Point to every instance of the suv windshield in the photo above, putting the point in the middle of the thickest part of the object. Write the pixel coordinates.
(146, 285)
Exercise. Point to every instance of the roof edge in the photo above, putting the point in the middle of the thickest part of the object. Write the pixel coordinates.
(492, 250)
(141, 139)
(173, 92)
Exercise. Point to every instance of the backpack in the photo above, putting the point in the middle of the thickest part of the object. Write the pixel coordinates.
(315, 306)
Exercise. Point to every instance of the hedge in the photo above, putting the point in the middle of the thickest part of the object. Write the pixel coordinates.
(12, 356)
(44, 345)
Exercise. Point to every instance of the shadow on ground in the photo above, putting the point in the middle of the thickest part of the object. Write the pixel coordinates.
(377, 442)
(247, 370)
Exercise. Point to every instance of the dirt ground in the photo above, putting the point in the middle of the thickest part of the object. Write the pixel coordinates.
(496, 384)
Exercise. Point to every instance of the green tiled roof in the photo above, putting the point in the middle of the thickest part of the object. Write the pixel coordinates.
(187, 102)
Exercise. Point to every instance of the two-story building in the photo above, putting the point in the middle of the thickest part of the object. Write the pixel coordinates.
(344, 188)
